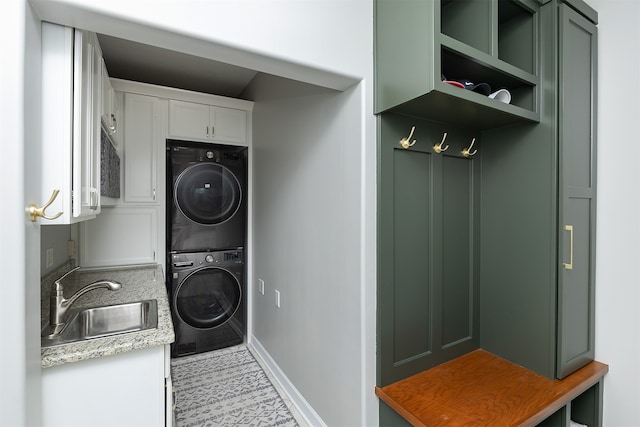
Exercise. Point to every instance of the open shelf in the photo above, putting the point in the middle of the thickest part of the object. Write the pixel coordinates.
(517, 35)
(488, 41)
(522, 86)
(473, 23)
(467, 21)
(586, 408)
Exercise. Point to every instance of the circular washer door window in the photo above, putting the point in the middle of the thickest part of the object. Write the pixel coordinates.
(208, 298)
(208, 193)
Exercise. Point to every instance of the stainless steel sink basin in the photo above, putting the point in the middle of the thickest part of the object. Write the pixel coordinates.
(105, 321)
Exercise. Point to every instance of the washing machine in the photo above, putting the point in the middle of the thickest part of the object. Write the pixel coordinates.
(207, 196)
(207, 299)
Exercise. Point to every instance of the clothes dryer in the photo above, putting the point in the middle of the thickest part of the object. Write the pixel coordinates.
(207, 196)
(207, 297)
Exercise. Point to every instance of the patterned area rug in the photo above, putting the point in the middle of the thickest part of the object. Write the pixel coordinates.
(226, 388)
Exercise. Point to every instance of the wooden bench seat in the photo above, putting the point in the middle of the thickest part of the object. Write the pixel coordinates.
(481, 389)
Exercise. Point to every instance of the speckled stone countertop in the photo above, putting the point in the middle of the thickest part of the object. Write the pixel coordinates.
(138, 283)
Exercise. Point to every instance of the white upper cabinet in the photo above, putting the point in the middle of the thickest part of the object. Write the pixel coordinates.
(201, 122)
(71, 104)
(141, 140)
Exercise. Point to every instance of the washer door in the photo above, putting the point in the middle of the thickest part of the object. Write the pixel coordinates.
(207, 193)
(207, 298)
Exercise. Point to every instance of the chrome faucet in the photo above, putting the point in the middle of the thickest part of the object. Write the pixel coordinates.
(59, 306)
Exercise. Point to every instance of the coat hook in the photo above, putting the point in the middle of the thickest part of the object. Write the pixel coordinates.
(467, 151)
(404, 142)
(438, 148)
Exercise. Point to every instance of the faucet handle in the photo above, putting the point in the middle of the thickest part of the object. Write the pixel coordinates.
(57, 285)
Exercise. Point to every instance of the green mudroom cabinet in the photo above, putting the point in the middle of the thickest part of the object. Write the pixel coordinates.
(493, 248)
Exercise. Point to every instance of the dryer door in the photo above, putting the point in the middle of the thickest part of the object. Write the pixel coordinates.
(207, 193)
(207, 298)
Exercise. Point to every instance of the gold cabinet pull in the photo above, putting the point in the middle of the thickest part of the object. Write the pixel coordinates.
(569, 265)
(35, 212)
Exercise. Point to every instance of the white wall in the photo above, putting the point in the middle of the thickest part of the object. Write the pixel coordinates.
(307, 178)
(325, 42)
(618, 216)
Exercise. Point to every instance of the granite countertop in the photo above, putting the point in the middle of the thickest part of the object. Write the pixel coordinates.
(138, 283)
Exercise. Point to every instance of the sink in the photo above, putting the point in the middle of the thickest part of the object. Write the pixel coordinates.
(98, 322)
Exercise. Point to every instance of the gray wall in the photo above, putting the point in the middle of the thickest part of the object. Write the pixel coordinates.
(306, 211)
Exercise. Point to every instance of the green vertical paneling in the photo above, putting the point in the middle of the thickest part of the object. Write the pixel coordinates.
(518, 247)
(405, 267)
(428, 238)
(519, 222)
(457, 279)
(577, 138)
(412, 276)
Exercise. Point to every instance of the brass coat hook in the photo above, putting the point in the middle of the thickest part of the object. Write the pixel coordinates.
(34, 211)
(438, 148)
(404, 142)
(467, 151)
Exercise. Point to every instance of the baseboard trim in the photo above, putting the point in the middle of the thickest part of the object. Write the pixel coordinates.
(305, 410)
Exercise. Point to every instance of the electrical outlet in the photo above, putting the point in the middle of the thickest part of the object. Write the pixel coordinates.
(261, 286)
(277, 298)
(71, 248)
(49, 257)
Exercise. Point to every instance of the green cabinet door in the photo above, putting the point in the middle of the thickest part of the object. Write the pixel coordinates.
(427, 248)
(577, 190)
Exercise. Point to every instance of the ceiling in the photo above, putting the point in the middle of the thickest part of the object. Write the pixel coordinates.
(149, 64)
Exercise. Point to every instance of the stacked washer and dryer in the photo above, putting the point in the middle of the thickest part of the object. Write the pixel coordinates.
(206, 229)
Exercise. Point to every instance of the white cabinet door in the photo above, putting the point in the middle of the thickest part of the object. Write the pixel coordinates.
(96, 106)
(188, 120)
(86, 137)
(229, 125)
(121, 235)
(70, 157)
(194, 121)
(140, 148)
(122, 390)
